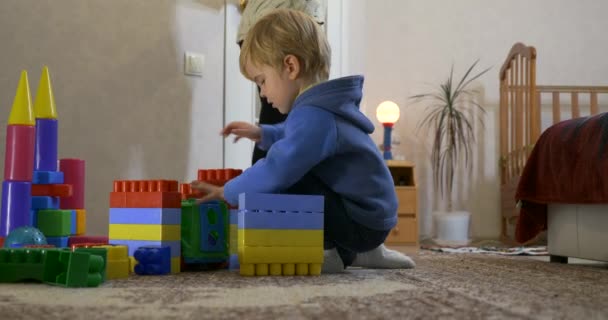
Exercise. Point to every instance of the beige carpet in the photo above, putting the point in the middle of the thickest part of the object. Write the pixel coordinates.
(443, 286)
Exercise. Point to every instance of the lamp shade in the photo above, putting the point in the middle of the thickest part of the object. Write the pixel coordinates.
(387, 112)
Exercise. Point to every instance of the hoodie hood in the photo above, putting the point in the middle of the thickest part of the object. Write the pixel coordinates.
(341, 97)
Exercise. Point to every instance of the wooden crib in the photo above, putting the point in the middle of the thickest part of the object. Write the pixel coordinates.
(521, 116)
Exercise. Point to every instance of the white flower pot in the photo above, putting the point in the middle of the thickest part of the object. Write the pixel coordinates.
(452, 228)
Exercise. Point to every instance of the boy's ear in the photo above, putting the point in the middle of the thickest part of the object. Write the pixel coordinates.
(291, 64)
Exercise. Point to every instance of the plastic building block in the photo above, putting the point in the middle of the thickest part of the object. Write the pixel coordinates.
(44, 202)
(73, 269)
(24, 236)
(280, 220)
(52, 190)
(16, 205)
(214, 227)
(117, 263)
(74, 174)
(280, 255)
(145, 200)
(59, 242)
(219, 175)
(278, 269)
(73, 223)
(47, 177)
(153, 260)
(22, 112)
(45, 155)
(187, 192)
(233, 262)
(191, 237)
(280, 202)
(144, 232)
(81, 221)
(145, 186)
(19, 153)
(281, 238)
(22, 264)
(55, 223)
(167, 216)
(44, 106)
(175, 246)
(98, 251)
(100, 240)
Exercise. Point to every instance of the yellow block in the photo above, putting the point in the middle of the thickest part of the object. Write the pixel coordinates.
(118, 262)
(176, 264)
(233, 239)
(248, 255)
(22, 112)
(44, 105)
(278, 269)
(81, 221)
(152, 232)
(281, 238)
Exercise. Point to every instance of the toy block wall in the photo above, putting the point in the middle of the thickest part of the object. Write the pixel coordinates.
(146, 213)
(280, 234)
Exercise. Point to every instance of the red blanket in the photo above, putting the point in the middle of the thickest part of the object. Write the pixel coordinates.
(569, 164)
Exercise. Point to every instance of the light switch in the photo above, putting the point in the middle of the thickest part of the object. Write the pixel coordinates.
(193, 63)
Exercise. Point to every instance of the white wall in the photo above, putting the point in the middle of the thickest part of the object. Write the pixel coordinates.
(407, 45)
(124, 103)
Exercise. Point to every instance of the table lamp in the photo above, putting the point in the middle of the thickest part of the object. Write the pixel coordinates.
(387, 113)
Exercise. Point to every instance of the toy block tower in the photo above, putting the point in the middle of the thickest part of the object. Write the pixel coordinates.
(18, 162)
(280, 234)
(146, 213)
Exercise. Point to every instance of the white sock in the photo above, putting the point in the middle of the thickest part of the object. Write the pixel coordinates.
(332, 263)
(383, 258)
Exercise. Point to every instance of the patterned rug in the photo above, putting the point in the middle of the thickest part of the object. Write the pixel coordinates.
(443, 286)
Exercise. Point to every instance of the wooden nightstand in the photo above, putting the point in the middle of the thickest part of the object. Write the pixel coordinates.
(406, 231)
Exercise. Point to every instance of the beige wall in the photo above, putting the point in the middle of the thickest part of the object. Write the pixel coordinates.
(124, 104)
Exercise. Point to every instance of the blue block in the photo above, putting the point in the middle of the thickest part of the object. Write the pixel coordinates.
(73, 223)
(47, 177)
(16, 206)
(34, 218)
(166, 216)
(44, 202)
(233, 262)
(59, 242)
(45, 152)
(234, 216)
(280, 202)
(176, 248)
(153, 260)
(213, 227)
(280, 220)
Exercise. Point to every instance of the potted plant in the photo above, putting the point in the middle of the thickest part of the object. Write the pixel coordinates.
(449, 121)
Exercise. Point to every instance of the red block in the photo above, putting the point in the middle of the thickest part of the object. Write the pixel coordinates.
(52, 190)
(218, 177)
(145, 186)
(145, 200)
(73, 174)
(19, 152)
(99, 240)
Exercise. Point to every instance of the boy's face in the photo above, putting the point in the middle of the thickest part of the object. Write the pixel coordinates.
(278, 86)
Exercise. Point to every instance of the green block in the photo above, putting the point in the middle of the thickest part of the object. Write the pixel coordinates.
(101, 252)
(55, 223)
(191, 234)
(73, 269)
(22, 264)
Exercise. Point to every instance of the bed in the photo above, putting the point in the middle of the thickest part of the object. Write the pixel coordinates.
(552, 179)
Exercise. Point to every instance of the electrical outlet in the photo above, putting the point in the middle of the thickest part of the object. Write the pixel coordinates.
(193, 63)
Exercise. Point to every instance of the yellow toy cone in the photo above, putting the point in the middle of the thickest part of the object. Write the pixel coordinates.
(44, 105)
(22, 112)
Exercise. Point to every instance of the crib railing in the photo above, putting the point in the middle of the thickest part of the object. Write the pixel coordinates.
(575, 93)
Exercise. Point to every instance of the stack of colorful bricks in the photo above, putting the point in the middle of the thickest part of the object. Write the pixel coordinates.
(32, 197)
(280, 234)
(146, 213)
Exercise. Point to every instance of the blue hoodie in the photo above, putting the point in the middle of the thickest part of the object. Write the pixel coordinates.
(326, 134)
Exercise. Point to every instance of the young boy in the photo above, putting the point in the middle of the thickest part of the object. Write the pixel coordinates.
(323, 147)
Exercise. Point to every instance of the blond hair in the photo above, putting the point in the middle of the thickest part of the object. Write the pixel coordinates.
(283, 32)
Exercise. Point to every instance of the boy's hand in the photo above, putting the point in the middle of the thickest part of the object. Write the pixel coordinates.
(211, 192)
(242, 130)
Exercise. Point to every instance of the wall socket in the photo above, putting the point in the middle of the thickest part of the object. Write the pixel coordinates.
(193, 63)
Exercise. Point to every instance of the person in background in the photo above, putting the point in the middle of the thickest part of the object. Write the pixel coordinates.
(322, 148)
(254, 10)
